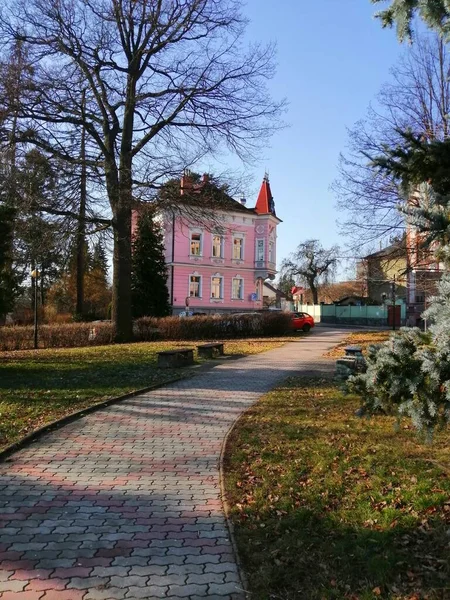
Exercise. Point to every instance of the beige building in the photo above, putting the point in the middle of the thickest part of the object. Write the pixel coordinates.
(378, 271)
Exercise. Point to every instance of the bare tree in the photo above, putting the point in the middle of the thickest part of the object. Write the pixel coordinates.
(417, 99)
(311, 264)
(166, 82)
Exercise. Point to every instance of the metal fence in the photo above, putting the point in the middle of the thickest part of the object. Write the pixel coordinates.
(352, 315)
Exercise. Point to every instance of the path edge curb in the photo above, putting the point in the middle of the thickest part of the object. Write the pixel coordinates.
(226, 508)
(58, 423)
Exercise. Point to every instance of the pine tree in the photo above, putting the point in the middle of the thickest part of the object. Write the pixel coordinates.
(149, 271)
(97, 293)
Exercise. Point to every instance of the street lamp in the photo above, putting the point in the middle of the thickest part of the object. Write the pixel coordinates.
(35, 275)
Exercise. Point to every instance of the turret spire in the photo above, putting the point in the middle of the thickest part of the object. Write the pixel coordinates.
(265, 204)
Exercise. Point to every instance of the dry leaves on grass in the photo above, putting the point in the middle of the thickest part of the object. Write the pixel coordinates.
(360, 338)
(336, 506)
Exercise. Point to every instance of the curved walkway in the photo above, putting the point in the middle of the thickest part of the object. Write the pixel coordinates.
(125, 503)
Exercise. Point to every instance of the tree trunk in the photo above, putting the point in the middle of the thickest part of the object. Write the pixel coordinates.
(81, 229)
(121, 308)
(314, 292)
(122, 298)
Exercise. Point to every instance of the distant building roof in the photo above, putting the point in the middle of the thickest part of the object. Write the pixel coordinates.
(209, 195)
(274, 289)
(394, 251)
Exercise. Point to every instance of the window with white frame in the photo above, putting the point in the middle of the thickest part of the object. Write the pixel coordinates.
(260, 250)
(237, 290)
(270, 251)
(195, 286)
(217, 246)
(258, 289)
(196, 244)
(238, 248)
(217, 287)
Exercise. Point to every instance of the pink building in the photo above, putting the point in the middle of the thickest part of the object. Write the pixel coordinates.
(218, 258)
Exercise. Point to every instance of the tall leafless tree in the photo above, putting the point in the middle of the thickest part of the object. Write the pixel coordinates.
(311, 264)
(417, 99)
(166, 81)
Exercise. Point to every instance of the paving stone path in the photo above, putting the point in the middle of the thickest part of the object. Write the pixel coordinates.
(125, 503)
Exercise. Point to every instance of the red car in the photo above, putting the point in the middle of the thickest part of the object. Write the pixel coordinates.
(302, 322)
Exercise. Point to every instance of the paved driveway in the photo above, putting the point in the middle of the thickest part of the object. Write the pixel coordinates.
(125, 503)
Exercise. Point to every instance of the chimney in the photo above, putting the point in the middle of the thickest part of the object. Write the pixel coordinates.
(186, 182)
(243, 201)
(205, 178)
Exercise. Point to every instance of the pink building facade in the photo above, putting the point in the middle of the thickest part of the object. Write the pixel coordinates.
(220, 266)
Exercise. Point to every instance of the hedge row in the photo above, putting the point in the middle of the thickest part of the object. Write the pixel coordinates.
(147, 329)
(64, 335)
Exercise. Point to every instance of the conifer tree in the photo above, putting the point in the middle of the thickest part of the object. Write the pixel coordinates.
(97, 288)
(149, 272)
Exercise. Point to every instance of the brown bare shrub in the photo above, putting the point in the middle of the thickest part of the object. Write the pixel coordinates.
(147, 329)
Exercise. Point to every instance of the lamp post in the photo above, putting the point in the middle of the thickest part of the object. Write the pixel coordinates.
(35, 276)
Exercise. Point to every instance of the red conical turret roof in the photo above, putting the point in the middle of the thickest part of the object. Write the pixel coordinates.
(265, 204)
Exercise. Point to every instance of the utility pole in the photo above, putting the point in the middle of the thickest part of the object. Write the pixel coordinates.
(35, 277)
(393, 303)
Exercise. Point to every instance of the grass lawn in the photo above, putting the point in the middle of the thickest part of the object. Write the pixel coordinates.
(39, 386)
(359, 338)
(329, 506)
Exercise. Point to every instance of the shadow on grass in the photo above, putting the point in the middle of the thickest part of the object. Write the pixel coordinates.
(311, 555)
(328, 507)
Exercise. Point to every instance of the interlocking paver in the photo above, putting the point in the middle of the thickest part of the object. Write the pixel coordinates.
(12, 585)
(125, 503)
(148, 592)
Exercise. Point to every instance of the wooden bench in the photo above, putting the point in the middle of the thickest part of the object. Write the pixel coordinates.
(180, 357)
(210, 350)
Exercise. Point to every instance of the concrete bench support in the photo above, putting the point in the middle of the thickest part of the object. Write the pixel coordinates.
(182, 357)
(354, 351)
(210, 350)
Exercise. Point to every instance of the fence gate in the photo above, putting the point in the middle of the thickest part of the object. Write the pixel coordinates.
(397, 313)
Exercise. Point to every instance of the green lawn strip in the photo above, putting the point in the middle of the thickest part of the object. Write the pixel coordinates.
(37, 387)
(329, 506)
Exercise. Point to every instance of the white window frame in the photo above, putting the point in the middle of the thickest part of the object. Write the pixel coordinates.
(216, 235)
(258, 259)
(241, 239)
(241, 280)
(192, 233)
(221, 288)
(199, 285)
(258, 289)
(271, 249)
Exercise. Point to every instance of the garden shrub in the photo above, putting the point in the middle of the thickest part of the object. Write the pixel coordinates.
(147, 329)
(64, 335)
(213, 327)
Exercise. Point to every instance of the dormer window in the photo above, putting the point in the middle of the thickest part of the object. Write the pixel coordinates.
(196, 244)
(217, 246)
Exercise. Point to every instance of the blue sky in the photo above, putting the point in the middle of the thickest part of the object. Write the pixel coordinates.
(333, 57)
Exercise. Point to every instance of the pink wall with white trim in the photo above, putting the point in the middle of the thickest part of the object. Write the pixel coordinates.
(248, 226)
